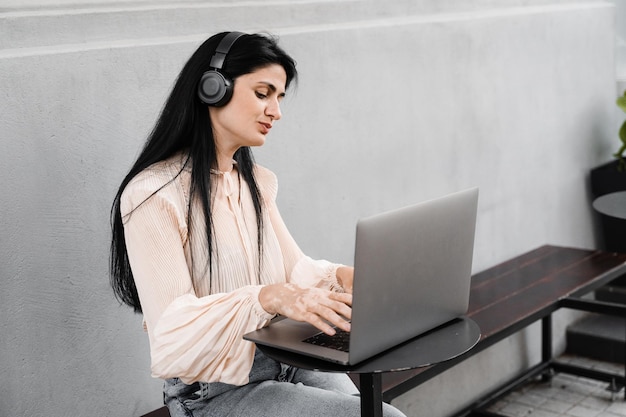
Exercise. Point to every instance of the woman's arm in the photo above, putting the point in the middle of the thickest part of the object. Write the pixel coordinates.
(313, 292)
(299, 268)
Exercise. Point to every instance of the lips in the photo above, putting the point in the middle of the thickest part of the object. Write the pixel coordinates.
(265, 127)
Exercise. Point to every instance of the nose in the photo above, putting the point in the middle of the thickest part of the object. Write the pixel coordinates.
(273, 110)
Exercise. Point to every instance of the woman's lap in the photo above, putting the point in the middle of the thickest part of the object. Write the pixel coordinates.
(274, 391)
(329, 381)
(284, 399)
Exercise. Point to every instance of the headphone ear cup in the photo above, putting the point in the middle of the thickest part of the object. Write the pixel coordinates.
(214, 89)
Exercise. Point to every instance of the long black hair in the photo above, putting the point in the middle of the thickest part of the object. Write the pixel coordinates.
(185, 126)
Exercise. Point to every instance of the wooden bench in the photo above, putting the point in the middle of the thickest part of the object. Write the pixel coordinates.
(510, 296)
(161, 412)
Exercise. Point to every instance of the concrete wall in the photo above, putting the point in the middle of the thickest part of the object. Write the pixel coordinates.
(620, 38)
(398, 101)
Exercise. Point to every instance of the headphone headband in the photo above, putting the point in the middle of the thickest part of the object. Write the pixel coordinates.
(215, 88)
(227, 42)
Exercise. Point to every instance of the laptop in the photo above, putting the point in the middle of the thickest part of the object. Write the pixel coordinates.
(412, 270)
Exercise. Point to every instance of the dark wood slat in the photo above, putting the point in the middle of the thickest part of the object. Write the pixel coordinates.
(512, 264)
(520, 277)
(161, 412)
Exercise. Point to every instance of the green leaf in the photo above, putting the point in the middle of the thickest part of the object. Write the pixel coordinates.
(621, 102)
(622, 135)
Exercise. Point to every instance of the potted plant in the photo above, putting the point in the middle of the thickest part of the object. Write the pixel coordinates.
(611, 177)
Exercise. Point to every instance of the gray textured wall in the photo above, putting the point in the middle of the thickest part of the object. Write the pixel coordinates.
(398, 101)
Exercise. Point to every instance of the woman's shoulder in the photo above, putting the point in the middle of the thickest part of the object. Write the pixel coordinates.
(264, 174)
(169, 176)
(267, 180)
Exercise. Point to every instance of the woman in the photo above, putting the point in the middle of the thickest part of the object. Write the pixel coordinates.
(200, 249)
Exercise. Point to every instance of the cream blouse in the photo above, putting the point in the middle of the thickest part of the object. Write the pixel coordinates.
(195, 323)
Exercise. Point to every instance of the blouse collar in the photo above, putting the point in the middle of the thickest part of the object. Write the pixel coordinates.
(218, 172)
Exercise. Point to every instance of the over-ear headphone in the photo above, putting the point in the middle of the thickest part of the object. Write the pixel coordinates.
(214, 88)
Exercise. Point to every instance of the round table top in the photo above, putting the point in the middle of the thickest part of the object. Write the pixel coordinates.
(438, 345)
(613, 204)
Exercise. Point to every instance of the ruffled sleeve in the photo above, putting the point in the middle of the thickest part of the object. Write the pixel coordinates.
(316, 273)
(200, 339)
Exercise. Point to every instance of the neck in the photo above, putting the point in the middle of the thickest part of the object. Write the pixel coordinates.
(225, 162)
(225, 155)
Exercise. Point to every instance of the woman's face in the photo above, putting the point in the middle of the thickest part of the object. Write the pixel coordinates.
(253, 108)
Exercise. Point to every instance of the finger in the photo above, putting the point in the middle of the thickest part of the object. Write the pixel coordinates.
(342, 297)
(338, 321)
(322, 325)
(336, 314)
(340, 304)
(342, 309)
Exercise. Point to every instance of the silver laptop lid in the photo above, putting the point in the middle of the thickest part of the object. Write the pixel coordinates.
(426, 251)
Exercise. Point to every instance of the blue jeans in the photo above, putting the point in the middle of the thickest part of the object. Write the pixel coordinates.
(274, 390)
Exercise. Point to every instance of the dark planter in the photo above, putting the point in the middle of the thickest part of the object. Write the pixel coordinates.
(608, 185)
(612, 211)
(610, 222)
(607, 179)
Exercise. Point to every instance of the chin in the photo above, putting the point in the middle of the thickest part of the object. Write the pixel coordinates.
(257, 142)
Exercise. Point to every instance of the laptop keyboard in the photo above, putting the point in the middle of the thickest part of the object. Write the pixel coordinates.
(339, 341)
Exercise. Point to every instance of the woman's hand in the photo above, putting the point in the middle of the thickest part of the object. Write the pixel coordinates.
(345, 276)
(312, 305)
